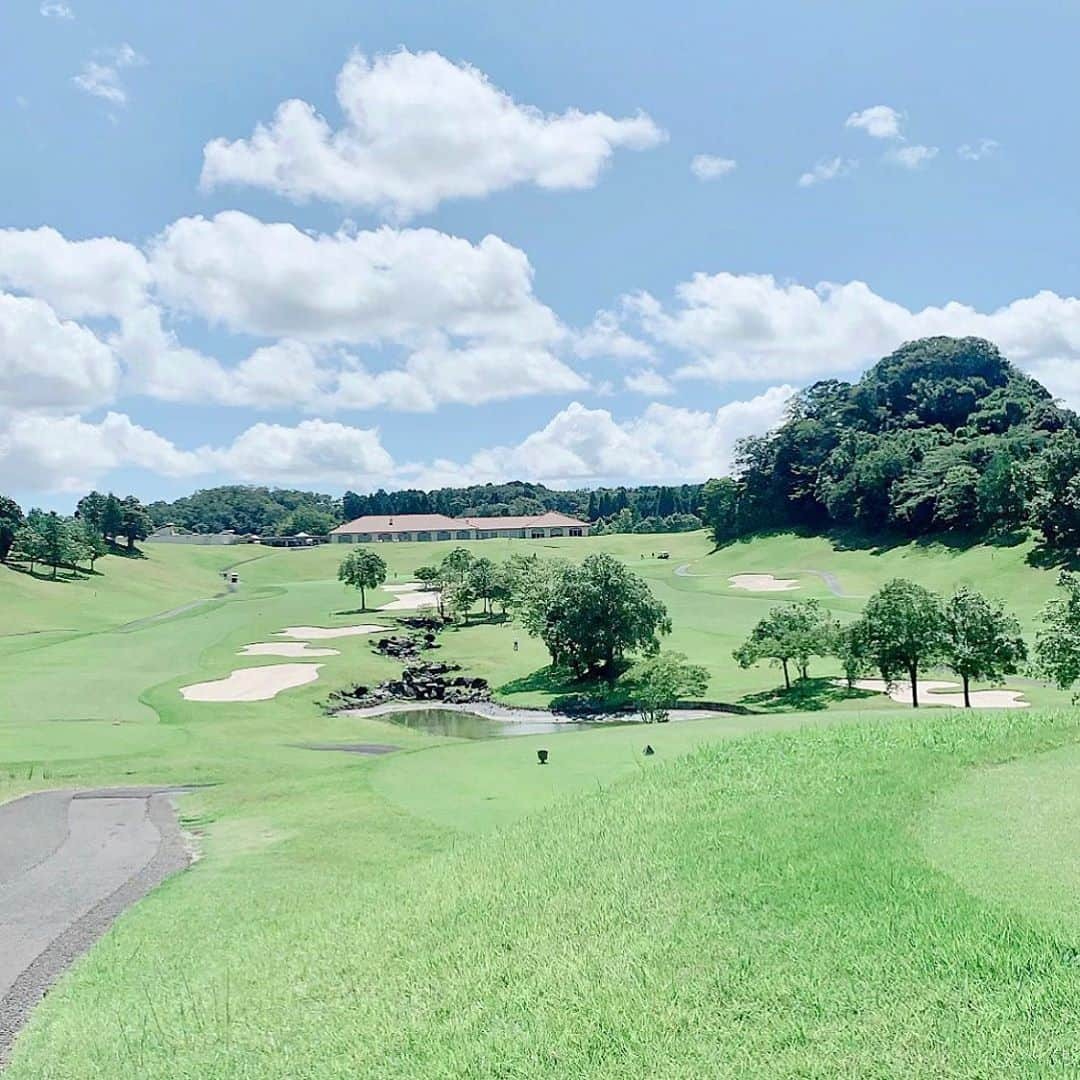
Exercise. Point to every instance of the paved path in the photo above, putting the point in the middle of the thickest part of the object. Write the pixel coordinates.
(69, 864)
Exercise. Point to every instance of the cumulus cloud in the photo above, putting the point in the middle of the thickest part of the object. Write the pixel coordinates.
(826, 170)
(751, 327)
(978, 150)
(878, 121)
(580, 444)
(79, 278)
(49, 363)
(102, 78)
(419, 129)
(66, 453)
(607, 338)
(709, 167)
(56, 10)
(912, 156)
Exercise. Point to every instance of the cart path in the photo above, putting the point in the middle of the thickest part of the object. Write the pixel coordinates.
(70, 863)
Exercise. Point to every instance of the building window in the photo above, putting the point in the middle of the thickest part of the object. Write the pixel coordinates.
(423, 536)
(463, 535)
(555, 532)
(537, 534)
(444, 536)
(575, 532)
(386, 536)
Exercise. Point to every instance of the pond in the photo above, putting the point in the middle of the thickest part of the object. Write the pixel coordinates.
(463, 725)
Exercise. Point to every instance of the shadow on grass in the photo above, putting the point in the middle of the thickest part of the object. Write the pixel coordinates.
(805, 695)
(568, 693)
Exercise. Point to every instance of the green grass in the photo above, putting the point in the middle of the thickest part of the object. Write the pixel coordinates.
(769, 895)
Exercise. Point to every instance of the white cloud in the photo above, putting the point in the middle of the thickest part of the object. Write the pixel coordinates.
(46, 363)
(588, 445)
(79, 278)
(752, 328)
(827, 170)
(878, 121)
(102, 78)
(418, 130)
(978, 150)
(387, 285)
(911, 157)
(52, 10)
(606, 338)
(313, 450)
(65, 453)
(708, 167)
(648, 382)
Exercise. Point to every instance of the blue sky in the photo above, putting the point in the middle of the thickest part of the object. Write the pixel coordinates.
(399, 281)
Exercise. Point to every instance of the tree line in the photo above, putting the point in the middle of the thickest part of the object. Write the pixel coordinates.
(942, 435)
(100, 523)
(906, 629)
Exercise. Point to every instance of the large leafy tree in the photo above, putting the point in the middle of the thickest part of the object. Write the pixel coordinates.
(591, 615)
(135, 522)
(657, 684)
(981, 640)
(362, 569)
(91, 511)
(904, 631)
(11, 520)
(1057, 646)
(789, 633)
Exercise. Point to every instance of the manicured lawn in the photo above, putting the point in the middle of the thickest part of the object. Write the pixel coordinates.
(805, 894)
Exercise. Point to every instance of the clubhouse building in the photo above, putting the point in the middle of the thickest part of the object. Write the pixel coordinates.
(401, 527)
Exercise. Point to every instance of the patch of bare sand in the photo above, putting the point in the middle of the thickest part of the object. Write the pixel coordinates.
(763, 583)
(253, 684)
(936, 692)
(404, 586)
(313, 633)
(412, 601)
(285, 648)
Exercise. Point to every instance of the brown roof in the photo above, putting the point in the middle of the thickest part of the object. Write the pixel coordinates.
(397, 523)
(550, 520)
(407, 523)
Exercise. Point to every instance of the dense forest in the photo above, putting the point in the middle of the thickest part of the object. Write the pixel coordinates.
(277, 511)
(942, 435)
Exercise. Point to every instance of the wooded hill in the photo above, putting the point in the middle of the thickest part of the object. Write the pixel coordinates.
(944, 434)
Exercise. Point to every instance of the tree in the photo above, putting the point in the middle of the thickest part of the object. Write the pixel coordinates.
(657, 683)
(904, 631)
(789, 632)
(89, 543)
(428, 576)
(91, 511)
(112, 517)
(29, 545)
(981, 639)
(1057, 645)
(457, 599)
(852, 648)
(455, 565)
(135, 522)
(362, 569)
(11, 520)
(306, 519)
(592, 614)
(483, 581)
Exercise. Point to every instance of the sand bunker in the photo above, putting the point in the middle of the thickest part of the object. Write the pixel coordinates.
(412, 601)
(405, 586)
(762, 583)
(933, 692)
(254, 683)
(285, 648)
(313, 633)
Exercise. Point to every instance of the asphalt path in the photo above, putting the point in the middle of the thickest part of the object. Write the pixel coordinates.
(70, 863)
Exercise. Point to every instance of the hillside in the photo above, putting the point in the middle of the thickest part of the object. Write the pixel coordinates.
(943, 435)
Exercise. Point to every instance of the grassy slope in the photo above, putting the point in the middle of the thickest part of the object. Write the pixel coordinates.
(341, 922)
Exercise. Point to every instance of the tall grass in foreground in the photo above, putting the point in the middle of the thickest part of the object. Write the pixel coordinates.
(760, 908)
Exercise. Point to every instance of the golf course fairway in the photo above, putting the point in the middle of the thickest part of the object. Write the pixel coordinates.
(803, 889)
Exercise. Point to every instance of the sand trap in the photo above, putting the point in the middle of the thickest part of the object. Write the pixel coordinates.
(316, 632)
(253, 683)
(412, 601)
(932, 692)
(285, 648)
(762, 583)
(405, 586)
